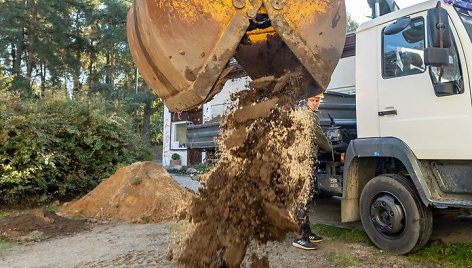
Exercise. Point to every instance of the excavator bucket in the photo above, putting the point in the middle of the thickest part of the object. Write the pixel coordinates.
(182, 48)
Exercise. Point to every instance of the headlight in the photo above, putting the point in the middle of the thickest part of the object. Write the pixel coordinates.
(334, 134)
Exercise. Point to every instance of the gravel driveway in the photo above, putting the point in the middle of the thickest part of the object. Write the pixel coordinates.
(131, 245)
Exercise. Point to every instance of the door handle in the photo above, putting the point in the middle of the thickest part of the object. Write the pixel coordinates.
(389, 112)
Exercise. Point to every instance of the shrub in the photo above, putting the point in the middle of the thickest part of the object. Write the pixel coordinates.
(61, 149)
(5, 81)
(136, 181)
(175, 156)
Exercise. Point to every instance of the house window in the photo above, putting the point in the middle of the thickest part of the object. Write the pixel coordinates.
(179, 135)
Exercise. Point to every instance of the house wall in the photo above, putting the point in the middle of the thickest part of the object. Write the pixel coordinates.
(220, 103)
(187, 156)
(167, 152)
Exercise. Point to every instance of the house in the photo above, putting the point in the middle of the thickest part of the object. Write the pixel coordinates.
(175, 124)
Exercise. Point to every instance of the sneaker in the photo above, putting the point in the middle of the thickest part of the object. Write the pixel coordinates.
(304, 244)
(313, 238)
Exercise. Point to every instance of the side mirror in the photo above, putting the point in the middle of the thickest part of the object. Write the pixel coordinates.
(397, 26)
(438, 22)
(437, 57)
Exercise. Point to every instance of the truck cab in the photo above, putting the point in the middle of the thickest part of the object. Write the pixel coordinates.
(413, 151)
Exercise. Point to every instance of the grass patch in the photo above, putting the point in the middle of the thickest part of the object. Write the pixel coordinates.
(146, 219)
(36, 236)
(436, 253)
(176, 227)
(52, 208)
(201, 168)
(181, 230)
(341, 234)
(3, 216)
(342, 260)
(6, 244)
(136, 181)
(181, 172)
(450, 255)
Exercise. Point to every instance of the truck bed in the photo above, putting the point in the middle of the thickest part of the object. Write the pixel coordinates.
(341, 107)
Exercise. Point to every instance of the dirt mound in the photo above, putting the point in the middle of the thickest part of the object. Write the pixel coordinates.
(141, 192)
(39, 224)
(263, 174)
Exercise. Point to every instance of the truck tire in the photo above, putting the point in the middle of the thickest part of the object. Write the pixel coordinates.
(393, 215)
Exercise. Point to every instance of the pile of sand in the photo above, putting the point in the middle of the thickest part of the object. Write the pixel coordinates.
(263, 174)
(39, 224)
(142, 192)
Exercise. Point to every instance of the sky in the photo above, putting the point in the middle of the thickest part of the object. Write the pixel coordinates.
(359, 9)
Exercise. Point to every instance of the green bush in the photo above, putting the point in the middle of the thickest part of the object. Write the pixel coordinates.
(175, 156)
(5, 82)
(56, 148)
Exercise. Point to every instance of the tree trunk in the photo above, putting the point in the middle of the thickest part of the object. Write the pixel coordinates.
(110, 78)
(76, 74)
(19, 53)
(108, 74)
(31, 40)
(69, 91)
(13, 55)
(147, 123)
(91, 75)
(42, 74)
(78, 55)
(136, 119)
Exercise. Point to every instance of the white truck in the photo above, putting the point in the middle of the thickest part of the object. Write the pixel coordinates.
(413, 151)
(404, 149)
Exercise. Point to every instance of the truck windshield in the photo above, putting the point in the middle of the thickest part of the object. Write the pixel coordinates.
(464, 8)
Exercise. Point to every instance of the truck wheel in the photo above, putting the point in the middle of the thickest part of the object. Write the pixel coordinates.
(393, 215)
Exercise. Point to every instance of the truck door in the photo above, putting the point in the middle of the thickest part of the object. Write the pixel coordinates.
(434, 126)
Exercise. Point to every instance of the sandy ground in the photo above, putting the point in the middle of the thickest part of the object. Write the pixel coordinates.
(126, 245)
(133, 245)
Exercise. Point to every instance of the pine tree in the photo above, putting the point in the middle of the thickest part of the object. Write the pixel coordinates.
(352, 25)
(74, 46)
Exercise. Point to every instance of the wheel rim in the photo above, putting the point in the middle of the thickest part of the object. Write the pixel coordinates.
(387, 215)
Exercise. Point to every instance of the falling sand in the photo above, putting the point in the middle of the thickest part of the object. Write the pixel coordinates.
(264, 172)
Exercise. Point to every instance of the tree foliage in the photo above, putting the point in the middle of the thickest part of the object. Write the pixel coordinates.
(5, 82)
(70, 110)
(352, 25)
(74, 48)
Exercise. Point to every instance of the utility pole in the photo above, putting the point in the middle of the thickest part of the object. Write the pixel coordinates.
(136, 80)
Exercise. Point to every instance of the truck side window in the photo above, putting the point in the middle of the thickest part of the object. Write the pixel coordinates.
(403, 52)
(450, 74)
